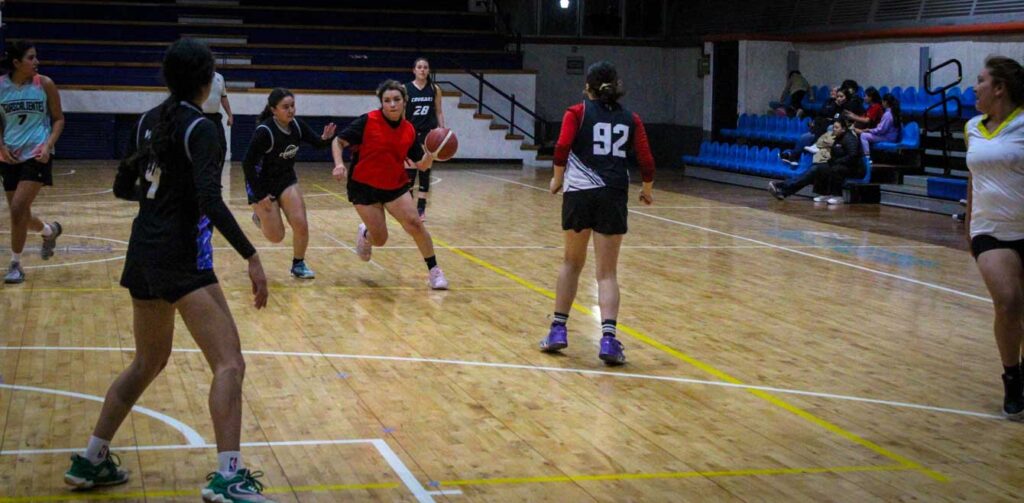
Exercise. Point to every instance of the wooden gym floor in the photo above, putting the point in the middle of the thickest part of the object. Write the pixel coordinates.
(777, 352)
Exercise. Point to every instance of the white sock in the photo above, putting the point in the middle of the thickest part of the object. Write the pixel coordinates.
(97, 450)
(230, 462)
(47, 231)
(15, 257)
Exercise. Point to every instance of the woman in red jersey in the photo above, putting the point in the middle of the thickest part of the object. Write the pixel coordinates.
(380, 142)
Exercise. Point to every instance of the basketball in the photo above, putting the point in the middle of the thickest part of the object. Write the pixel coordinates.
(441, 143)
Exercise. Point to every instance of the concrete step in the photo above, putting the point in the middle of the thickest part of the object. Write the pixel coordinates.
(193, 19)
(239, 84)
(916, 180)
(219, 39)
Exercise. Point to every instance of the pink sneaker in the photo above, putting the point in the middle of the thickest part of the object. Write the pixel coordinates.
(437, 281)
(363, 247)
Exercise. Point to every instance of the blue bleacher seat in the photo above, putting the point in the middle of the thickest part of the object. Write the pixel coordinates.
(910, 139)
(953, 189)
(867, 172)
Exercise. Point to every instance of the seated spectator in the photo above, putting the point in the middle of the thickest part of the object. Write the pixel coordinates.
(830, 108)
(874, 113)
(817, 127)
(793, 95)
(854, 103)
(828, 177)
(888, 129)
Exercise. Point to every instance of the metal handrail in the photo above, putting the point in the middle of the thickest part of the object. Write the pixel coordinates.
(947, 136)
(942, 90)
(481, 106)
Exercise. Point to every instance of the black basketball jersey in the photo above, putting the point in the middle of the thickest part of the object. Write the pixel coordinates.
(273, 150)
(421, 109)
(600, 155)
(179, 196)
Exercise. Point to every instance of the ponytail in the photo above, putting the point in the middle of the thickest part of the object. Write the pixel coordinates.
(603, 82)
(14, 51)
(275, 97)
(1008, 72)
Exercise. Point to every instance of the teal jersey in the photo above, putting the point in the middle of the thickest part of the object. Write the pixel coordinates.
(26, 117)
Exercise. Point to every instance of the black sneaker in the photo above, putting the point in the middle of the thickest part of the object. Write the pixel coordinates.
(774, 190)
(1013, 399)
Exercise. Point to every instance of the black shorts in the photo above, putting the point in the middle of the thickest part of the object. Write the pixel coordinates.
(30, 170)
(274, 183)
(983, 243)
(603, 210)
(166, 281)
(360, 193)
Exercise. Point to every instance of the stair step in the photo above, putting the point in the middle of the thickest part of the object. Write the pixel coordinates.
(218, 39)
(483, 116)
(467, 105)
(233, 59)
(517, 137)
(526, 146)
(545, 158)
(193, 19)
(239, 84)
(495, 127)
(209, 3)
(915, 181)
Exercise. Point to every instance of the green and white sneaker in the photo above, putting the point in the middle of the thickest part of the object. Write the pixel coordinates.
(242, 487)
(302, 271)
(85, 475)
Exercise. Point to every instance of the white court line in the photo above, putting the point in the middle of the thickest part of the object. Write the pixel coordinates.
(69, 264)
(782, 248)
(392, 459)
(513, 366)
(192, 436)
(69, 173)
(353, 250)
(76, 194)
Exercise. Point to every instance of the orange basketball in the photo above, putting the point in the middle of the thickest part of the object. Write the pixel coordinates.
(441, 143)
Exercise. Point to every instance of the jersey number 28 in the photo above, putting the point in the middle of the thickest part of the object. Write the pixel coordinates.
(605, 144)
(421, 110)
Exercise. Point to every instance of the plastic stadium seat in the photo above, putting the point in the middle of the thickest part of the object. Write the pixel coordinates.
(910, 139)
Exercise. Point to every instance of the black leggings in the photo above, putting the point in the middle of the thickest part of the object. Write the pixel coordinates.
(424, 179)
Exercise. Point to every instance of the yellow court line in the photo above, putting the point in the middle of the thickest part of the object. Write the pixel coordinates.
(696, 363)
(678, 475)
(477, 482)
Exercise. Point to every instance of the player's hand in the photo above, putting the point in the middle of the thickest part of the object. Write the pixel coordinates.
(41, 154)
(6, 156)
(231, 120)
(259, 282)
(328, 131)
(340, 172)
(426, 162)
(556, 184)
(647, 195)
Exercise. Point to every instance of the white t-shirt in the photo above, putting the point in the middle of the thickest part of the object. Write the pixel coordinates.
(217, 91)
(996, 161)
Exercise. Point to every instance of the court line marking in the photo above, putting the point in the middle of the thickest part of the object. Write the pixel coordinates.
(705, 367)
(537, 368)
(107, 191)
(483, 482)
(779, 247)
(192, 436)
(382, 447)
(69, 173)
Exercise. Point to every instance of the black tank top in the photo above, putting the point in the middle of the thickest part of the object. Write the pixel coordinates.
(600, 155)
(421, 109)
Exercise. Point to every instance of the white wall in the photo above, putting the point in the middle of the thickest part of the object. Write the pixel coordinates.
(661, 83)
(893, 62)
(522, 85)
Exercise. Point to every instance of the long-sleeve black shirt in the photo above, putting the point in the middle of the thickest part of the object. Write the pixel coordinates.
(272, 152)
(180, 196)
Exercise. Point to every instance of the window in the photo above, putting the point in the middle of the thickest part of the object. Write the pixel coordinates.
(644, 18)
(556, 20)
(602, 18)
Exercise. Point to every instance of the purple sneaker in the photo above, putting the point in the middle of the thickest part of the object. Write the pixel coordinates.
(556, 340)
(611, 351)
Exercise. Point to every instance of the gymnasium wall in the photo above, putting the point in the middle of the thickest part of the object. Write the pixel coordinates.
(661, 83)
(893, 62)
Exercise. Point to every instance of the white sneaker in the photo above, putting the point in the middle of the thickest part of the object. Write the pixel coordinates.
(812, 149)
(437, 281)
(363, 247)
(835, 200)
(820, 199)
